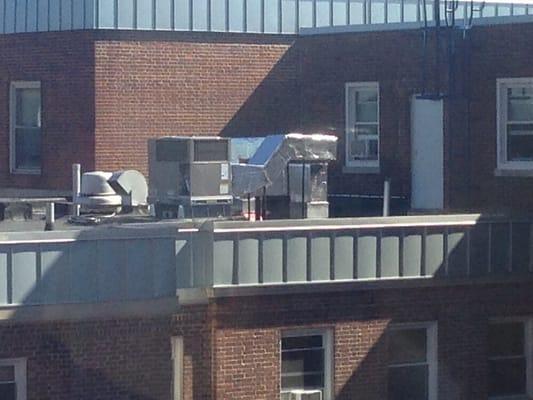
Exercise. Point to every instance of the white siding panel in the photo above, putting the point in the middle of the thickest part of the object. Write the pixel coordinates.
(78, 14)
(181, 15)
(31, 16)
(54, 15)
(4, 297)
(163, 18)
(66, 15)
(90, 14)
(20, 19)
(42, 18)
(2, 6)
(106, 14)
(126, 14)
(145, 14)
(9, 16)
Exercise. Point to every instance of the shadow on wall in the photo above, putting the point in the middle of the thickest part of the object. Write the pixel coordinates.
(361, 319)
(105, 358)
(274, 106)
(131, 358)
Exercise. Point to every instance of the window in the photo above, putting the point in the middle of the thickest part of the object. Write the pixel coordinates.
(515, 124)
(306, 364)
(412, 372)
(25, 140)
(509, 354)
(13, 379)
(176, 343)
(362, 124)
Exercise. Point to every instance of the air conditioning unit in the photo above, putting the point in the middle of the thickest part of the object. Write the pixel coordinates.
(305, 395)
(192, 174)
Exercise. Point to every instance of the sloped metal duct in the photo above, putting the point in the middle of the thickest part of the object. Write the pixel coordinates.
(268, 166)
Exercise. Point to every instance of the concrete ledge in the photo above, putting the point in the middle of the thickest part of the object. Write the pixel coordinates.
(89, 311)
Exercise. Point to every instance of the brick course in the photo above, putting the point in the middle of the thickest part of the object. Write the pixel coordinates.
(106, 92)
(232, 348)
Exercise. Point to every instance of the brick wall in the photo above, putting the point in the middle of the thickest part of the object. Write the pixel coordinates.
(64, 63)
(248, 331)
(106, 92)
(194, 84)
(232, 346)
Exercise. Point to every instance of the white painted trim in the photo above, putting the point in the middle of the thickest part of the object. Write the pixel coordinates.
(327, 344)
(432, 352)
(504, 167)
(12, 122)
(349, 88)
(176, 343)
(344, 227)
(20, 365)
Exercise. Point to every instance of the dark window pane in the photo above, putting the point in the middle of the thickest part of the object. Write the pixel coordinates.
(507, 377)
(210, 150)
(8, 391)
(301, 342)
(506, 339)
(408, 383)
(7, 373)
(28, 148)
(302, 361)
(519, 143)
(307, 381)
(407, 346)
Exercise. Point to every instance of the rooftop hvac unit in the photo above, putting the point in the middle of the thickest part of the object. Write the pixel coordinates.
(305, 395)
(190, 176)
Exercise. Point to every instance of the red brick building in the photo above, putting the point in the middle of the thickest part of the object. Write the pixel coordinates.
(429, 307)
(104, 92)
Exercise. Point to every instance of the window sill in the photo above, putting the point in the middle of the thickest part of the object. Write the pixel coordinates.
(26, 172)
(360, 170)
(514, 172)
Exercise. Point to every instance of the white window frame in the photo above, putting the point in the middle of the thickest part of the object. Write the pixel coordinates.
(12, 126)
(432, 352)
(327, 343)
(176, 344)
(350, 87)
(20, 365)
(528, 348)
(505, 166)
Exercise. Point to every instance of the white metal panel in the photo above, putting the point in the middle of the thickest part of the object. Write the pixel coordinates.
(24, 279)
(31, 16)
(145, 14)
(90, 14)
(106, 14)
(163, 20)
(427, 145)
(20, 17)
(54, 15)
(126, 14)
(66, 15)
(181, 15)
(42, 18)
(78, 14)
(4, 278)
(2, 7)
(9, 15)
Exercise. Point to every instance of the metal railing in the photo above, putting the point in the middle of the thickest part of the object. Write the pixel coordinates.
(447, 247)
(153, 260)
